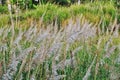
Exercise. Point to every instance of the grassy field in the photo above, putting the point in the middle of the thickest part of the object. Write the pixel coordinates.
(79, 42)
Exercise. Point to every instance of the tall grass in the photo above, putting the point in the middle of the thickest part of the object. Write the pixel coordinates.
(38, 49)
(74, 52)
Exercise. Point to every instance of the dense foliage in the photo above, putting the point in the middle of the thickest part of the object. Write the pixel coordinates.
(30, 3)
